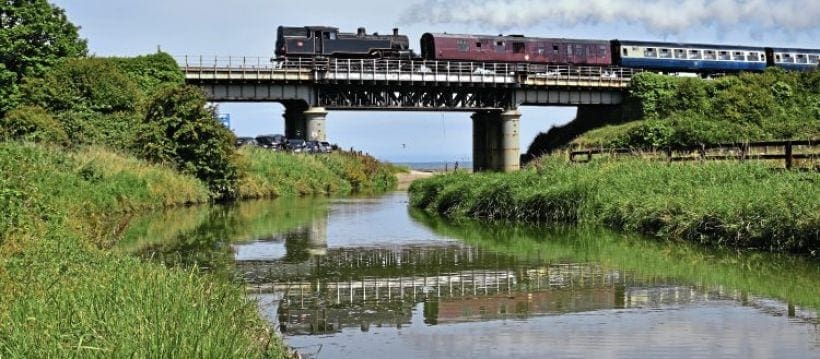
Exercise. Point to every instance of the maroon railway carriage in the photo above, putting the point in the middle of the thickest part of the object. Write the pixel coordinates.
(515, 48)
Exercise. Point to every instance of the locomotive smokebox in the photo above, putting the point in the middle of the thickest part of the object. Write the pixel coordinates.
(395, 31)
(361, 32)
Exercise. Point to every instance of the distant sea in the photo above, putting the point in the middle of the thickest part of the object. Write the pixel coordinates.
(436, 166)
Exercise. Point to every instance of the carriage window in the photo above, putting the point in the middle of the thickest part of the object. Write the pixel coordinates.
(542, 51)
(788, 58)
(680, 54)
(738, 56)
(579, 50)
(650, 52)
(555, 50)
(569, 50)
(666, 54)
(724, 55)
(626, 52)
(753, 56)
(478, 45)
(801, 59)
(814, 59)
(709, 55)
(777, 58)
(694, 54)
(462, 46)
(499, 46)
(601, 50)
(518, 47)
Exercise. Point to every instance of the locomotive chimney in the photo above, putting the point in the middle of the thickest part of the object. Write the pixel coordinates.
(395, 31)
(361, 32)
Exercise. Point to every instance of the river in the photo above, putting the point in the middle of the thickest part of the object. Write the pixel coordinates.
(366, 278)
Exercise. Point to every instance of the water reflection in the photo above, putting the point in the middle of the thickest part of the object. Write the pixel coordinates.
(334, 274)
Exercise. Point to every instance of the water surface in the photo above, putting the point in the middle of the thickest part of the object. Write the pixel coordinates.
(362, 277)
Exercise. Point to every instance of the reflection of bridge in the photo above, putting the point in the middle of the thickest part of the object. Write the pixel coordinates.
(494, 91)
(364, 287)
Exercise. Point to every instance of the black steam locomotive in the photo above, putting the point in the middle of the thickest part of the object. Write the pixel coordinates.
(311, 41)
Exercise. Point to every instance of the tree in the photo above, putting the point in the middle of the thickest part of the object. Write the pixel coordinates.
(180, 129)
(34, 35)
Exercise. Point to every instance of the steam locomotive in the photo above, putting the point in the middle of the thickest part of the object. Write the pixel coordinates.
(312, 41)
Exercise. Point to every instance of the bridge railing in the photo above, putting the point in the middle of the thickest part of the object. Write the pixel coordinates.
(392, 66)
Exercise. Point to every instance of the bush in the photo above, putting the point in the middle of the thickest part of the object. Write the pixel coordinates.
(32, 124)
(686, 112)
(180, 129)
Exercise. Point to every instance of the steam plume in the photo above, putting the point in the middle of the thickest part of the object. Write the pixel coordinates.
(659, 16)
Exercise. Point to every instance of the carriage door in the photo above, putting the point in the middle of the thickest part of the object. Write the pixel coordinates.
(318, 43)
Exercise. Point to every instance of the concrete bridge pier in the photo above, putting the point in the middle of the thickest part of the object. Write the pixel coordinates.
(315, 124)
(304, 122)
(496, 144)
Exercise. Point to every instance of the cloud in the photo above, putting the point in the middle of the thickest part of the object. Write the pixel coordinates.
(659, 16)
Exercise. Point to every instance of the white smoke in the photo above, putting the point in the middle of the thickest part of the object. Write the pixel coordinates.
(660, 16)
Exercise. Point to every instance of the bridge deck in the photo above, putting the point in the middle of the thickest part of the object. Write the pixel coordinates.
(379, 71)
(418, 85)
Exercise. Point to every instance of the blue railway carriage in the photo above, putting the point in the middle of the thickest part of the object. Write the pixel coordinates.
(794, 59)
(677, 57)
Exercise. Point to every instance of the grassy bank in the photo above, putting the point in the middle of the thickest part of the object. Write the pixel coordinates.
(273, 174)
(65, 293)
(62, 295)
(670, 111)
(729, 204)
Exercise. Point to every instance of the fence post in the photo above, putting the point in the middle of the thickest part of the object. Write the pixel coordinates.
(788, 155)
(669, 154)
(744, 151)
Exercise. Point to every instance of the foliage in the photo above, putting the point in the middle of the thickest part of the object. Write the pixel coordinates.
(88, 84)
(101, 100)
(32, 124)
(731, 204)
(682, 112)
(180, 129)
(151, 72)
(34, 35)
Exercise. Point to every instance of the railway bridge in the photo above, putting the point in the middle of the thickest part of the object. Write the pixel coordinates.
(309, 88)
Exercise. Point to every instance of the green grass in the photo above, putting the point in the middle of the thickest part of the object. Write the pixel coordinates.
(62, 295)
(728, 204)
(273, 174)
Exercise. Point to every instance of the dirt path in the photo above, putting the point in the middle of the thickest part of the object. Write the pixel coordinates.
(405, 179)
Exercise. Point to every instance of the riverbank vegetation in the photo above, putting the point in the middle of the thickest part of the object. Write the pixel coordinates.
(737, 205)
(85, 144)
(663, 111)
(682, 112)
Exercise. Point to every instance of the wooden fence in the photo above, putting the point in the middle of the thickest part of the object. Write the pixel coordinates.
(794, 153)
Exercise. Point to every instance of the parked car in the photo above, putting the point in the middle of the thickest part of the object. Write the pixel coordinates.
(274, 142)
(295, 145)
(312, 147)
(245, 141)
(328, 148)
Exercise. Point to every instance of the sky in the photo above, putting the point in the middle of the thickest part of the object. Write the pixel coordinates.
(248, 28)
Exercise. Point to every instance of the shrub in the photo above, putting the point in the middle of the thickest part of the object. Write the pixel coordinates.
(32, 124)
(180, 129)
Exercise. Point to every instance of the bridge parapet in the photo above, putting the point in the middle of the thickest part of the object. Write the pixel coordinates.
(409, 72)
